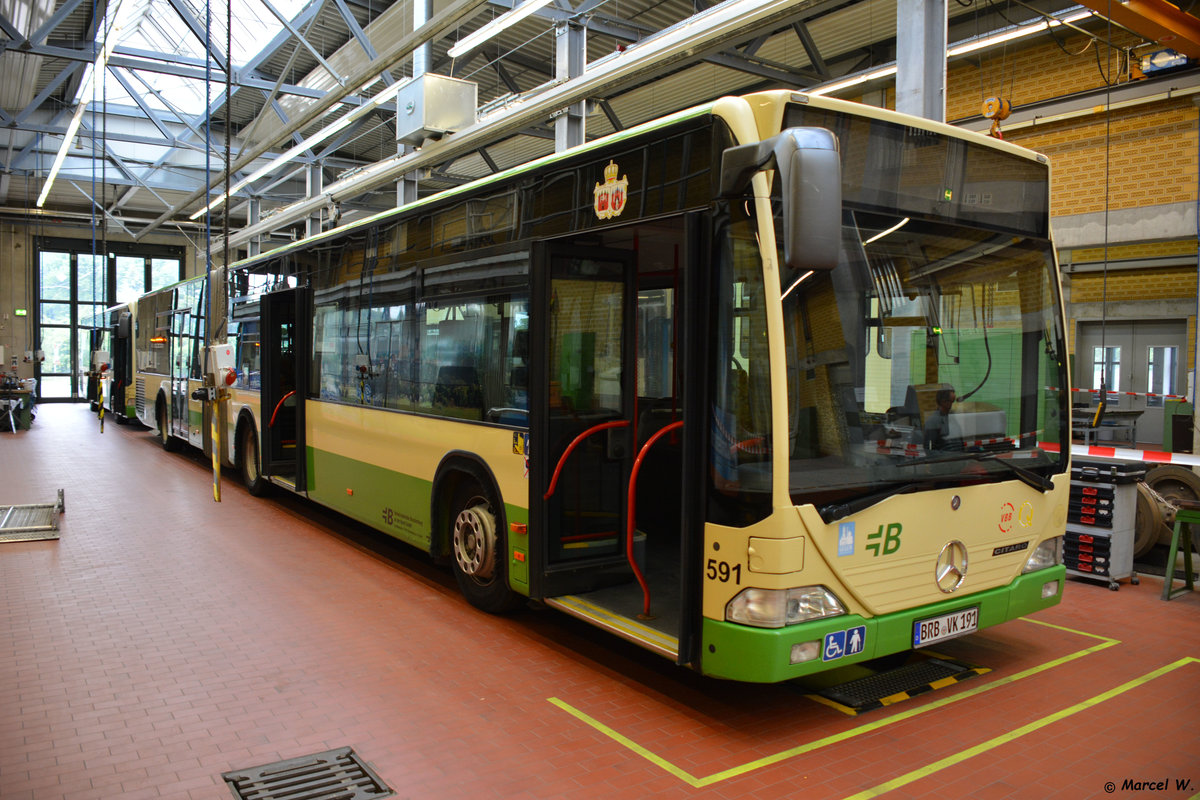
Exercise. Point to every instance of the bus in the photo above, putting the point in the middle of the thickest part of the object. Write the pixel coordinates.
(112, 345)
(169, 343)
(769, 386)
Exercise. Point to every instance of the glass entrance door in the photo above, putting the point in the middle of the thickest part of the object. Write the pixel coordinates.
(71, 295)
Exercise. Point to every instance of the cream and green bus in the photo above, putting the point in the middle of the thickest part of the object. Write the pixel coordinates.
(768, 386)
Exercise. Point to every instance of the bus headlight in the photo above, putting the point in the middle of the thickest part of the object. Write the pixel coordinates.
(775, 608)
(1047, 554)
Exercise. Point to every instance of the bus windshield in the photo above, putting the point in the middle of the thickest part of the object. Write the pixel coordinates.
(930, 357)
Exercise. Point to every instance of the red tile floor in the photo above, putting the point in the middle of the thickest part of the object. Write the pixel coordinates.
(164, 640)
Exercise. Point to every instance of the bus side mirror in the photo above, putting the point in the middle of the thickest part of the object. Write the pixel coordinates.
(810, 172)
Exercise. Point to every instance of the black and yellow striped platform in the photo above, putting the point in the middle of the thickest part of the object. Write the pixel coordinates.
(890, 686)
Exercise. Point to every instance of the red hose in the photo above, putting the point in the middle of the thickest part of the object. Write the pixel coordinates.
(632, 521)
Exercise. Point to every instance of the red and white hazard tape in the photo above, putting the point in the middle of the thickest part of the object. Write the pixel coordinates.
(910, 450)
(1127, 454)
(1010, 439)
(1122, 394)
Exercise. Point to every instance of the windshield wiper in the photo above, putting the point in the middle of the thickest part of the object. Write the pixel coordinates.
(1027, 476)
(835, 511)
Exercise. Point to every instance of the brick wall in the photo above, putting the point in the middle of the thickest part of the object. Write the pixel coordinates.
(1142, 284)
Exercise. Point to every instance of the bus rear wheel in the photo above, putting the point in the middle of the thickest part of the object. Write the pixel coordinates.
(478, 546)
(256, 484)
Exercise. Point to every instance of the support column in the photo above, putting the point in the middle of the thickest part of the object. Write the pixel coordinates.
(921, 30)
(314, 184)
(406, 187)
(1194, 378)
(570, 42)
(253, 215)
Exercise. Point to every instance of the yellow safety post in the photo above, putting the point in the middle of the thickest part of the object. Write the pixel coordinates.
(215, 415)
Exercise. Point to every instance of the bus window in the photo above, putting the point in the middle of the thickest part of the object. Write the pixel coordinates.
(740, 465)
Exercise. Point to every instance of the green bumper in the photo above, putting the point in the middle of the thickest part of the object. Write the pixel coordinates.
(763, 655)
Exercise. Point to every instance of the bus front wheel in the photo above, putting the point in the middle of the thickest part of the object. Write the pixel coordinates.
(256, 484)
(477, 543)
(169, 442)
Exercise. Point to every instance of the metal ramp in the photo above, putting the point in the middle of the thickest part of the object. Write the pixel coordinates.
(31, 523)
(895, 685)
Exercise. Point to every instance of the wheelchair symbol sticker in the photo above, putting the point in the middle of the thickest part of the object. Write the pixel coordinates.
(844, 643)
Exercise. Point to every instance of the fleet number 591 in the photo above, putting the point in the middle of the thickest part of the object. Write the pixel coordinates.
(723, 571)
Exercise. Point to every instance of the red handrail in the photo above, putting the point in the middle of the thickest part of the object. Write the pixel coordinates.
(278, 406)
(620, 423)
(632, 521)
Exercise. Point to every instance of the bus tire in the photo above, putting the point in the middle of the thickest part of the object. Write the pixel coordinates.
(478, 547)
(168, 442)
(1148, 522)
(1174, 482)
(249, 462)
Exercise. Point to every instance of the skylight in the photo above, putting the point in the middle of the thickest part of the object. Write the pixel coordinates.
(155, 26)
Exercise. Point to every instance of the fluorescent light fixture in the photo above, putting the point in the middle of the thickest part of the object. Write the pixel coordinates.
(107, 44)
(1019, 32)
(882, 234)
(799, 281)
(846, 83)
(957, 50)
(505, 20)
(320, 136)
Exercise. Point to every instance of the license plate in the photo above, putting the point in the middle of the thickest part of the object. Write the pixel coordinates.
(947, 626)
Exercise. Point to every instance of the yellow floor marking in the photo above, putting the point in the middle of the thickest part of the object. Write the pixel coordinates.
(784, 755)
(1005, 738)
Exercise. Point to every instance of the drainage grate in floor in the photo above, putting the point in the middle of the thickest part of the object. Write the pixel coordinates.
(892, 686)
(332, 775)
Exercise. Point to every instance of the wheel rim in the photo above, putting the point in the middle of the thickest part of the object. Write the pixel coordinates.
(475, 540)
(163, 433)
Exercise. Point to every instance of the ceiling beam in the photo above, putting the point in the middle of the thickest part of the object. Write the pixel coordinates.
(438, 26)
(1157, 20)
(198, 30)
(65, 10)
(712, 31)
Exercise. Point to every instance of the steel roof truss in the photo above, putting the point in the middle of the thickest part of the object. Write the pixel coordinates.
(44, 94)
(10, 30)
(100, 208)
(67, 9)
(304, 41)
(810, 47)
(184, 118)
(351, 132)
(150, 113)
(198, 31)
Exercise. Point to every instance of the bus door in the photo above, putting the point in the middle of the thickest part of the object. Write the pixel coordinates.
(610, 389)
(183, 346)
(121, 343)
(283, 359)
(586, 408)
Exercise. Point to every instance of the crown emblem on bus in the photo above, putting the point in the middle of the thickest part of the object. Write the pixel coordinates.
(610, 195)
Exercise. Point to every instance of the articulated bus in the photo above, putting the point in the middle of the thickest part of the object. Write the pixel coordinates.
(768, 386)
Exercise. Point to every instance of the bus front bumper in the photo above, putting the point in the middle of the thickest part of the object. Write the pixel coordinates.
(765, 655)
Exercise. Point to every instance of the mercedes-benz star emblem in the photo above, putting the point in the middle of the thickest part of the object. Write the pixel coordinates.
(951, 566)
